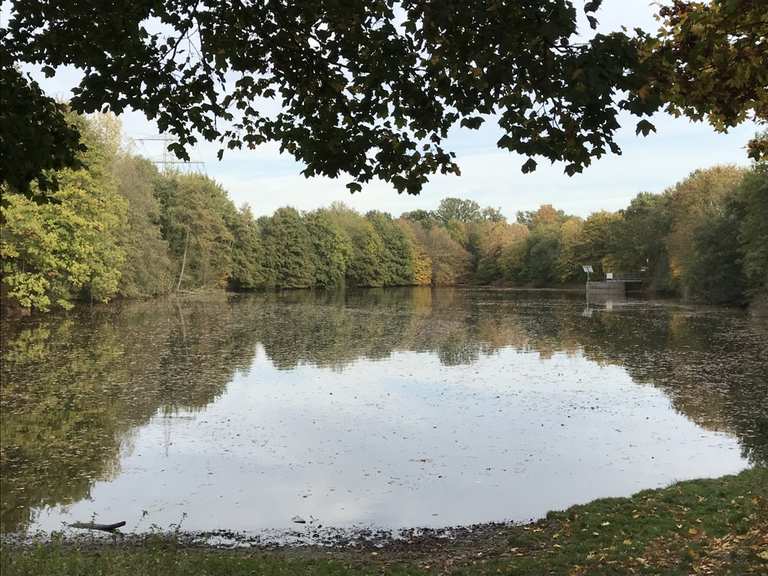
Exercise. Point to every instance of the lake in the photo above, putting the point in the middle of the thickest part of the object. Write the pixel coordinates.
(385, 408)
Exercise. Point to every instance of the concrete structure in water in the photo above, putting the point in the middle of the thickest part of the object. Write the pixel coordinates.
(618, 287)
(615, 285)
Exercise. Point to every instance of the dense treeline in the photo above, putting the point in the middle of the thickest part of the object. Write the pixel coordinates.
(705, 239)
(118, 227)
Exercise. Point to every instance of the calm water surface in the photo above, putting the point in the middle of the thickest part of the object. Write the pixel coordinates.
(386, 408)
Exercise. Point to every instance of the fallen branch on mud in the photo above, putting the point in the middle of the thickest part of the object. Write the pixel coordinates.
(94, 526)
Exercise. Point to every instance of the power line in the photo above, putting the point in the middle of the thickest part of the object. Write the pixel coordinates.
(166, 162)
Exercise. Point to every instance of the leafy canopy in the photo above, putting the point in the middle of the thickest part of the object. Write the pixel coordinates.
(35, 136)
(371, 88)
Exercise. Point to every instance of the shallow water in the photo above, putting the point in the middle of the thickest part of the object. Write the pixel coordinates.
(386, 408)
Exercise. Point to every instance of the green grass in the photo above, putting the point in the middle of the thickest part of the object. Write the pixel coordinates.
(715, 526)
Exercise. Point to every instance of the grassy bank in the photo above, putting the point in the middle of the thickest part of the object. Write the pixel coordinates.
(715, 526)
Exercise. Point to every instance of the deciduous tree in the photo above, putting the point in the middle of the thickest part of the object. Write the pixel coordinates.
(288, 250)
(147, 269)
(331, 249)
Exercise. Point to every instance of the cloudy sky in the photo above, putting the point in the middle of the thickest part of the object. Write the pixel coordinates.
(266, 180)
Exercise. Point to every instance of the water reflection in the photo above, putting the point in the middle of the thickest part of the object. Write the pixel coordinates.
(313, 400)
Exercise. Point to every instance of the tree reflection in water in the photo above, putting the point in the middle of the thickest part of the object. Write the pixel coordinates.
(75, 387)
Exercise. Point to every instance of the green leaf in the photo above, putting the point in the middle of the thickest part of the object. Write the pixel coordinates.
(473, 122)
(645, 128)
(592, 6)
(529, 166)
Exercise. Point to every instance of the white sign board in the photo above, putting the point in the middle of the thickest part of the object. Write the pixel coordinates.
(587, 268)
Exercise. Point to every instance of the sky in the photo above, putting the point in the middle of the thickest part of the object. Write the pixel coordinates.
(266, 180)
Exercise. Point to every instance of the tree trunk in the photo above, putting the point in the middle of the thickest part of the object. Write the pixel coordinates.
(183, 260)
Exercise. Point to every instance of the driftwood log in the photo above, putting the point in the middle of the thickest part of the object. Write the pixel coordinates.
(94, 526)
